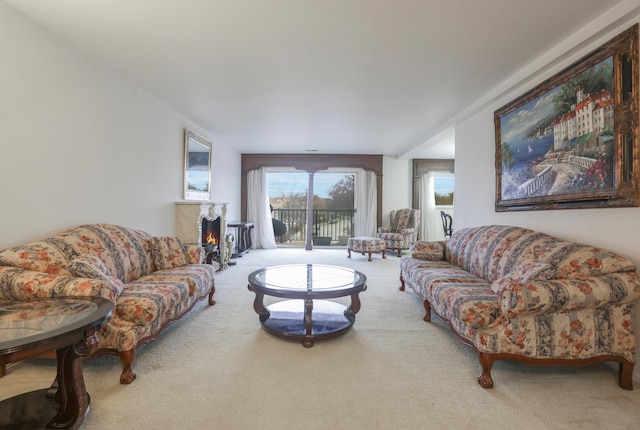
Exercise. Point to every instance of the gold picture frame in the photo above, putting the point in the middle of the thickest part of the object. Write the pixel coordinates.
(197, 166)
(572, 141)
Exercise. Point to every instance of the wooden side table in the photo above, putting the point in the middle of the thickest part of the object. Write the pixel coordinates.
(66, 325)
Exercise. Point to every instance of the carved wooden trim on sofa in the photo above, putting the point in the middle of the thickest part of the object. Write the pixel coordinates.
(625, 367)
(128, 375)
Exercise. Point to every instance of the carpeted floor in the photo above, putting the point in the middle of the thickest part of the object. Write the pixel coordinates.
(217, 369)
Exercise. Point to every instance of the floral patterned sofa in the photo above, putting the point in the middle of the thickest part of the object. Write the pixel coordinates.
(513, 293)
(153, 281)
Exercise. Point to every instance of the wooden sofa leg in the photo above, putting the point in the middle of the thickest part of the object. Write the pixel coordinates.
(427, 307)
(486, 361)
(625, 375)
(401, 282)
(126, 358)
(213, 290)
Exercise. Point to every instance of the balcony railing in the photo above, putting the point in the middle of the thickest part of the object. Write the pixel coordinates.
(330, 227)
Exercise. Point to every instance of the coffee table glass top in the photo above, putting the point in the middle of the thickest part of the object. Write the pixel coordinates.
(307, 277)
(20, 321)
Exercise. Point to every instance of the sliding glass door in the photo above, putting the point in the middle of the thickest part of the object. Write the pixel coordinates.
(322, 217)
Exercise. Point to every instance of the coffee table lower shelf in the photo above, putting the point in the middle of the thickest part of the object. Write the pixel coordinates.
(34, 410)
(291, 320)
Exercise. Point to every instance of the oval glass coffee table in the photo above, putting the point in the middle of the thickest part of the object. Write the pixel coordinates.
(30, 328)
(307, 316)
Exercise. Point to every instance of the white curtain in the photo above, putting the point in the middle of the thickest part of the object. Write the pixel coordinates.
(366, 204)
(431, 225)
(258, 210)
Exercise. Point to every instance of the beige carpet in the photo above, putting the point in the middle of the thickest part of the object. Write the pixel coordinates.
(217, 369)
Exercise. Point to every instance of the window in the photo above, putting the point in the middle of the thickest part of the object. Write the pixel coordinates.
(443, 187)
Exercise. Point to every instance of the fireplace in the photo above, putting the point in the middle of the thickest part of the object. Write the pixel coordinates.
(197, 221)
(210, 231)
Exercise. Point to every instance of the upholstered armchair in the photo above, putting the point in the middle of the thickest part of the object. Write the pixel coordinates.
(402, 229)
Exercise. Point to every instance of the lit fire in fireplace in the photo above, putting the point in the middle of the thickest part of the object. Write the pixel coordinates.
(211, 239)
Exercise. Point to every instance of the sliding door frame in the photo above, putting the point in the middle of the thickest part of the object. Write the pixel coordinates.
(311, 163)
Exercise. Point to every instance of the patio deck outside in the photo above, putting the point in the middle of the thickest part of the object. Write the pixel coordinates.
(329, 228)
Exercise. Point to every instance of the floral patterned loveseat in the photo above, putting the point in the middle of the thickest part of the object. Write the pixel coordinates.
(153, 281)
(513, 293)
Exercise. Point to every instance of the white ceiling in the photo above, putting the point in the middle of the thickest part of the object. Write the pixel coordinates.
(340, 76)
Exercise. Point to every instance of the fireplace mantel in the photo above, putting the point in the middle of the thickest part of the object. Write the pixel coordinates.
(189, 215)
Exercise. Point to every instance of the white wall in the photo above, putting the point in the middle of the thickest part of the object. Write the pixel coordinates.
(396, 185)
(614, 229)
(78, 144)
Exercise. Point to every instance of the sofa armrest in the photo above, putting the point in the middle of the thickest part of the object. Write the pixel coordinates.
(539, 297)
(432, 251)
(407, 231)
(22, 284)
(195, 253)
(384, 229)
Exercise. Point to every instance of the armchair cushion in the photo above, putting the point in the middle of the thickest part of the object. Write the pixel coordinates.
(404, 219)
(168, 252)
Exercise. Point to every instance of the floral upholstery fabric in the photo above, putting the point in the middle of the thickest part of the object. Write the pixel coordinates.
(126, 252)
(145, 302)
(402, 229)
(513, 290)
(423, 250)
(168, 252)
(91, 266)
(578, 334)
(365, 244)
(429, 278)
(473, 304)
(42, 256)
(527, 271)
(195, 253)
(113, 262)
(21, 284)
(569, 294)
(197, 277)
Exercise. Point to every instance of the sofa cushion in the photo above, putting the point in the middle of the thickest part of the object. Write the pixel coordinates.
(41, 256)
(151, 302)
(427, 278)
(580, 261)
(527, 271)
(433, 251)
(168, 252)
(536, 297)
(473, 304)
(410, 266)
(196, 254)
(92, 267)
(126, 252)
(22, 284)
(198, 277)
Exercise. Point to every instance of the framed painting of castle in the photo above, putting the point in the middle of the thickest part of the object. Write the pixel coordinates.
(572, 141)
